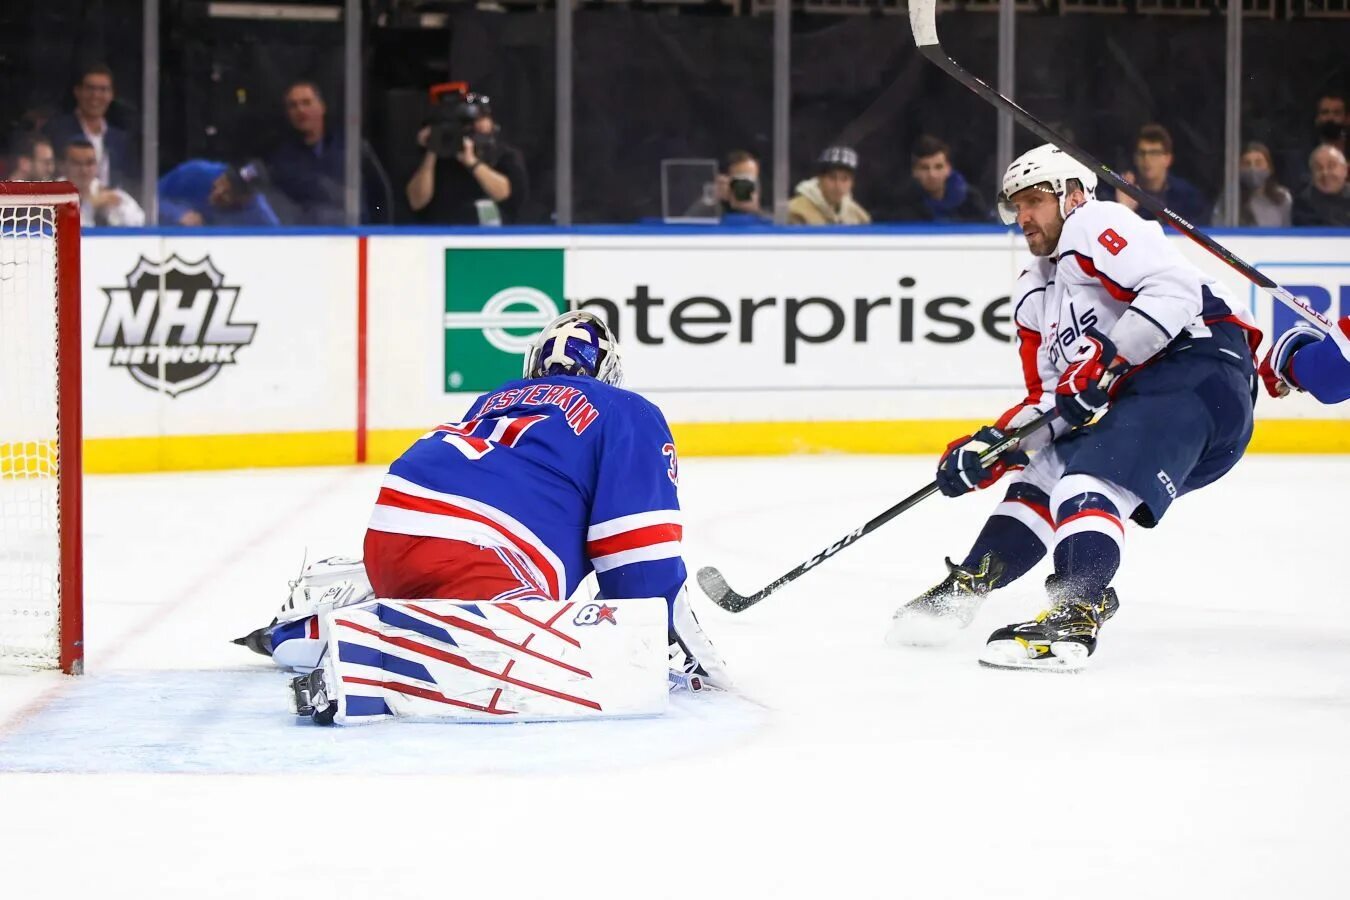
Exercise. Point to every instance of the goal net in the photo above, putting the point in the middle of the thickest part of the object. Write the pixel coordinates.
(40, 574)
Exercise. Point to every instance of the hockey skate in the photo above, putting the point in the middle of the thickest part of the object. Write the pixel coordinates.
(1059, 639)
(935, 616)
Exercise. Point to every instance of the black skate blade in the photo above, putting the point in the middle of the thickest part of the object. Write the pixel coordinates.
(258, 641)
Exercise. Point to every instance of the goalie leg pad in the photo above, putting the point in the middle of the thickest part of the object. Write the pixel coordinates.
(496, 661)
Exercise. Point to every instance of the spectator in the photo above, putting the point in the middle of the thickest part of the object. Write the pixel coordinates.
(938, 192)
(1326, 198)
(93, 95)
(738, 190)
(34, 159)
(1262, 200)
(827, 199)
(1153, 160)
(1328, 127)
(201, 192)
(308, 169)
(99, 205)
(1331, 121)
(468, 174)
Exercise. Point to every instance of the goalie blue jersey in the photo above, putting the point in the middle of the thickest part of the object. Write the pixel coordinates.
(1323, 369)
(563, 475)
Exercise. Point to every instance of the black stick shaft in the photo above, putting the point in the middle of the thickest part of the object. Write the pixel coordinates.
(715, 586)
(938, 57)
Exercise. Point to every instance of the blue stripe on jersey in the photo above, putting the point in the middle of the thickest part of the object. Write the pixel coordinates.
(297, 629)
(358, 655)
(367, 706)
(390, 616)
(471, 608)
(1212, 307)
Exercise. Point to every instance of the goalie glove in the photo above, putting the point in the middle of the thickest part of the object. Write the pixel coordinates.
(1275, 366)
(1082, 390)
(960, 471)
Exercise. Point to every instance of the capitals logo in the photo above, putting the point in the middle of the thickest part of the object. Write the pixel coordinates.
(594, 614)
(171, 327)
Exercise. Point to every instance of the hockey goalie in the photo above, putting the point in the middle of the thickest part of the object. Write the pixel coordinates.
(481, 532)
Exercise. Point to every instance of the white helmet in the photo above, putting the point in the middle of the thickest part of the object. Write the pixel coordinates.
(1044, 165)
(575, 343)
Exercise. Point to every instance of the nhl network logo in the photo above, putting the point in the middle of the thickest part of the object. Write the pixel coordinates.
(170, 326)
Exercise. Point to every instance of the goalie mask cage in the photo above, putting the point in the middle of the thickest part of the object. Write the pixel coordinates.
(41, 598)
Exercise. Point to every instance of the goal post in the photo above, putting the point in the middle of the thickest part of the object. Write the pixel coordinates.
(41, 540)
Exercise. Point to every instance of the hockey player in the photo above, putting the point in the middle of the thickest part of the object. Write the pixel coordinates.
(1304, 359)
(1113, 323)
(548, 478)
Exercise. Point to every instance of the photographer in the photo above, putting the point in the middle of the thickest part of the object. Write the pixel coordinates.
(738, 190)
(468, 175)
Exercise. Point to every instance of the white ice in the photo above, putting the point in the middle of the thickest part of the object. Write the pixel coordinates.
(1202, 755)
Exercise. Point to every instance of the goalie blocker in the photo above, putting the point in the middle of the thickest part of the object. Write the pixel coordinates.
(488, 661)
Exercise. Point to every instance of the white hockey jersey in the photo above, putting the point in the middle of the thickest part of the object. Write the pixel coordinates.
(1118, 272)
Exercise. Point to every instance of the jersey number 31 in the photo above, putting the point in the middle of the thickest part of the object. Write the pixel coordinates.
(476, 438)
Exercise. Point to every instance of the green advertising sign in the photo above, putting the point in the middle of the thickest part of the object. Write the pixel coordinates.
(496, 301)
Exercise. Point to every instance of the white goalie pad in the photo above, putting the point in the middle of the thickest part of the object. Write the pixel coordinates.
(525, 661)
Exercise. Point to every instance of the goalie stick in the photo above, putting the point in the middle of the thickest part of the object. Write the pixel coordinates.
(715, 585)
(923, 22)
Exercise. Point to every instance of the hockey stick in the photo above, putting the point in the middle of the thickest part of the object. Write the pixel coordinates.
(923, 21)
(715, 585)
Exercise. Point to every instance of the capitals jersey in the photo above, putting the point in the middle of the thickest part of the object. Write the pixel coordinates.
(561, 475)
(1323, 369)
(1113, 270)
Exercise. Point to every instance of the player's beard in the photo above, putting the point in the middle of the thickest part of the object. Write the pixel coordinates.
(1042, 242)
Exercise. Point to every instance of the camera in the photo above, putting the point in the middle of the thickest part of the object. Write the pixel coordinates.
(742, 188)
(454, 111)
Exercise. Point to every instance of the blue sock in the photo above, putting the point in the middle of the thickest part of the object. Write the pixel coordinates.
(1008, 536)
(1087, 552)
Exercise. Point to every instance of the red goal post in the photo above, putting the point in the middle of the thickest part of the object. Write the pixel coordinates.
(41, 540)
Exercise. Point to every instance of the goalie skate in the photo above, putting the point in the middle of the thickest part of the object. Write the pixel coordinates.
(1060, 639)
(937, 615)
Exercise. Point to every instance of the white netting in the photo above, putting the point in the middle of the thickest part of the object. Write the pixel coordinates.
(30, 608)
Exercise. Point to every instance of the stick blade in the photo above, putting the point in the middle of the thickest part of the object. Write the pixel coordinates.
(714, 584)
(923, 21)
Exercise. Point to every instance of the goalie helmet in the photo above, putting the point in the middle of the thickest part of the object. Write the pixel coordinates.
(1044, 165)
(575, 343)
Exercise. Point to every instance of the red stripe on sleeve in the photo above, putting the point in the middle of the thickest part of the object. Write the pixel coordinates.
(1030, 351)
(1112, 288)
(631, 540)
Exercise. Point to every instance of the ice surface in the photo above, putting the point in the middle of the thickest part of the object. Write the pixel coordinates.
(1202, 754)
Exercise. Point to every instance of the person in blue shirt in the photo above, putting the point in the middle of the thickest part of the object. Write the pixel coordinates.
(1153, 172)
(202, 192)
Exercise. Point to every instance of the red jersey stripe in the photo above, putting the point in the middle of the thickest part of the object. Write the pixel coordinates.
(631, 540)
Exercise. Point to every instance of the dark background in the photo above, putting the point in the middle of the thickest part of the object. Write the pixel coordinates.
(660, 82)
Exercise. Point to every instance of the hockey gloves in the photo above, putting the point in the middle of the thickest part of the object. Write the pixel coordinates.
(1082, 389)
(1275, 367)
(960, 470)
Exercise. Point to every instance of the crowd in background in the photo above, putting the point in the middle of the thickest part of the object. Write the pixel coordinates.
(474, 177)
